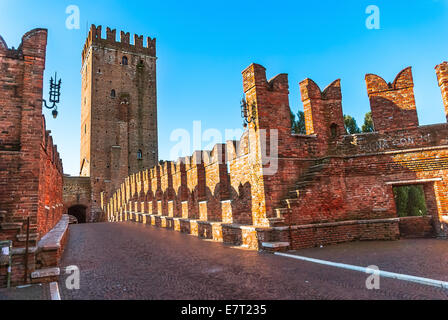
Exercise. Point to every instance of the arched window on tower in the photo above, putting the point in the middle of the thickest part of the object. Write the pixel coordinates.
(124, 61)
(139, 155)
(113, 94)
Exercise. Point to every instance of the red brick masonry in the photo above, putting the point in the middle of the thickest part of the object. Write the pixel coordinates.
(276, 190)
(30, 165)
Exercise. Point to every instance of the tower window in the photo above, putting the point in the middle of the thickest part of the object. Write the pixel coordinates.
(139, 155)
(124, 61)
(334, 130)
(141, 65)
(113, 93)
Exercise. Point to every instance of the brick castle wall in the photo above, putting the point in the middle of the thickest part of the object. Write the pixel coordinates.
(326, 187)
(30, 165)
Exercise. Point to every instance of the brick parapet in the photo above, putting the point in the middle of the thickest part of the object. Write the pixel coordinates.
(30, 165)
(336, 177)
(95, 39)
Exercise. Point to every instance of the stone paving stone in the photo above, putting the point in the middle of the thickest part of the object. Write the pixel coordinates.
(121, 261)
(34, 292)
(426, 258)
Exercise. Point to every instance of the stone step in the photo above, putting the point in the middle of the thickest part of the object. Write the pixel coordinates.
(277, 222)
(45, 275)
(317, 168)
(303, 184)
(11, 226)
(281, 212)
(323, 161)
(21, 237)
(72, 220)
(275, 246)
(309, 175)
(292, 202)
(294, 194)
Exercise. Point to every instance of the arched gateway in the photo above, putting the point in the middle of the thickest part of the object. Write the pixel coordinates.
(79, 212)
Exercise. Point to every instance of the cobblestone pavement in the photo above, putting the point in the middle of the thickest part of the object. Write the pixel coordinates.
(426, 258)
(34, 292)
(133, 261)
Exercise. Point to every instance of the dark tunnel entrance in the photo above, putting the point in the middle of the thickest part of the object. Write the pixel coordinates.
(80, 212)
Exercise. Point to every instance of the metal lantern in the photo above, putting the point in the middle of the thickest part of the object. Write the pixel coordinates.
(248, 114)
(55, 95)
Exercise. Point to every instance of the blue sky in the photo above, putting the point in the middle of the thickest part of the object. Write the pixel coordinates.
(203, 46)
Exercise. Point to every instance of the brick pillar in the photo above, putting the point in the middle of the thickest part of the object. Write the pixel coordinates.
(166, 186)
(155, 188)
(180, 186)
(111, 35)
(32, 132)
(272, 124)
(217, 181)
(196, 183)
(393, 104)
(271, 99)
(323, 112)
(442, 77)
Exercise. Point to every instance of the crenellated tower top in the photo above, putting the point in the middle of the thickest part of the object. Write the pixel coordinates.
(95, 38)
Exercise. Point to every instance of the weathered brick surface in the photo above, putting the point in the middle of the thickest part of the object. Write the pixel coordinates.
(119, 111)
(416, 227)
(30, 165)
(393, 104)
(442, 76)
(327, 187)
(77, 192)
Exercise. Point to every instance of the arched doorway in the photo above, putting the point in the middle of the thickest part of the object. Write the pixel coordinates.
(80, 212)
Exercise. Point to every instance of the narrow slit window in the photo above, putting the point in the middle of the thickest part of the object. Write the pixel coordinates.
(334, 130)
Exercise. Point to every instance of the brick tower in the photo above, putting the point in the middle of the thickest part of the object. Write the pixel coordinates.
(118, 112)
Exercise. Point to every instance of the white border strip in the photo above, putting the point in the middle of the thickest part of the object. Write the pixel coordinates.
(385, 274)
(54, 291)
(413, 181)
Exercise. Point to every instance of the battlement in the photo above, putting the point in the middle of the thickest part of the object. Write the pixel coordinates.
(312, 186)
(323, 109)
(33, 44)
(138, 47)
(50, 149)
(393, 104)
(403, 80)
(254, 76)
(442, 77)
(310, 90)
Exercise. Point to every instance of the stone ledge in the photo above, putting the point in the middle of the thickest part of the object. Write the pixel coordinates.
(213, 223)
(22, 237)
(21, 251)
(239, 226)
(52, 240)
(335, 224)
(45, 273)
(11, 226)
(274, 245)
(415, 217)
